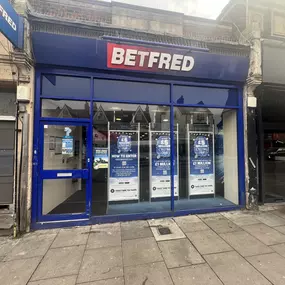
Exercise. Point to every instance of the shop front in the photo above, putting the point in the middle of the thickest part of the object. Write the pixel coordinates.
(128, 131)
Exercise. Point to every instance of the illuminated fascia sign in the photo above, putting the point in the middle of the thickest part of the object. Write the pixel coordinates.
(11, 24)
(148, 58)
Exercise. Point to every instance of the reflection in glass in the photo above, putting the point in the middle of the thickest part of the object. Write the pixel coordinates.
(131, 134)
(204, 96)
(208, 169)
(64, 149)
(65, 109)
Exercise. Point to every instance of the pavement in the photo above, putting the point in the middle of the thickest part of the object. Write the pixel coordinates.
(229, 248)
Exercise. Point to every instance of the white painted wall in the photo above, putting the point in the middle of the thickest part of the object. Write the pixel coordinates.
(230, 156)
(58, 190)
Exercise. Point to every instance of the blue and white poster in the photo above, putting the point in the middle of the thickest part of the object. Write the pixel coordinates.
(160, 182)
(201, 160)
(124, 166)
(101, 158)
(67, 145)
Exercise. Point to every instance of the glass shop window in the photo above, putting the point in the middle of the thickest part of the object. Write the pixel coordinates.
(207, 158)
(65, 86)
(65, 109)
(204, 96)
(131, 91)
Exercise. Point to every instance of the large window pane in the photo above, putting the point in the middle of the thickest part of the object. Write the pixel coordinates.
(204, 96)
(131, 148)
(56, 155)
(65, 109)
(208, 160)
(131, 91)
(65, 86)
(64, 196)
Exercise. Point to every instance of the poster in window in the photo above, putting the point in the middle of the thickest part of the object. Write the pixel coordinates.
(201, 160)
(160, 182)
(124, 165)
(101, 158)
(67, 145)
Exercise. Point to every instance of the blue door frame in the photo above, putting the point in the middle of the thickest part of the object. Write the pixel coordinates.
(47, 174)
(85, 218)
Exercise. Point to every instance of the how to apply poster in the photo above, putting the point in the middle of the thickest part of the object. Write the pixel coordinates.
(201, 160)
(124, 166)
(160, 182)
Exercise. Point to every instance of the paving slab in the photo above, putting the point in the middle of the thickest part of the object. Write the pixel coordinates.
(140, 251)
(270, 219)
(241, 218)
(265, 234)
(272, 266)
(31, 246)
(232, 269)
(71, 237)
(208, 242)
(60, 262)
(221, 225)
(66, 280)
(280, 213)
(113, 281)
(190, 224)
(45, 232)
(104, 236)
(135, 229)
(102, 263)
(179, 253)
(279, 248)
(152, 273)
(7, 246)
(176, 232)
(195, 275)
(280, 229)
(18, 272)
(245, 244)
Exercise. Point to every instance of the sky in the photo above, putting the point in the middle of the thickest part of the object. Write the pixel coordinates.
(200, 8)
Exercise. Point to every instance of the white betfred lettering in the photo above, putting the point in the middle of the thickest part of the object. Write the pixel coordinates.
(143, 55)
(5, 15)
(165, 59)
(8, 18)
(130, 58)
(188, 63)
(153, 58)
(118, 55)
(176, 62)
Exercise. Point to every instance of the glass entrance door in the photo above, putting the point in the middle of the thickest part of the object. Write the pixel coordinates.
(64, 170)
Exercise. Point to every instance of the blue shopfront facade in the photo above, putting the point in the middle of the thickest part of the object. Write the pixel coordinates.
(127, 130)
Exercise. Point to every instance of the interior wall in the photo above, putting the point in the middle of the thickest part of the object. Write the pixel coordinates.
(58, 190)
(231, 186)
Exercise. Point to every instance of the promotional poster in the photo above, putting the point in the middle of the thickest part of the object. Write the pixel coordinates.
(124, 165)
(160, 183)
(201, 159)
(67, 145)
(101, 158)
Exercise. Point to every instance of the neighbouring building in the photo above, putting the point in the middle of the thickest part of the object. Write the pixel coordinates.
(16, 117)
(266, 122)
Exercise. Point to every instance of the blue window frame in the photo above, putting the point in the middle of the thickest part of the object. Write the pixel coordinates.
(75, 85)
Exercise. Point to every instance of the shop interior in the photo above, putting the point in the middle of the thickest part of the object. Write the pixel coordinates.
(145, 185)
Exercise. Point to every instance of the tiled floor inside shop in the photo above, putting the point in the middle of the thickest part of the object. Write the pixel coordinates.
(228, 248)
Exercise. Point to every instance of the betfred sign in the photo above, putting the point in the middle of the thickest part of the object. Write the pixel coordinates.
(143, 58)
(11, 24)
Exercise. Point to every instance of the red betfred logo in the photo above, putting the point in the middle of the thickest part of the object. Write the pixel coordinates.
(147, 58)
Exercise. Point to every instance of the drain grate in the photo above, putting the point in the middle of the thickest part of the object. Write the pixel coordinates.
(164, 231)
